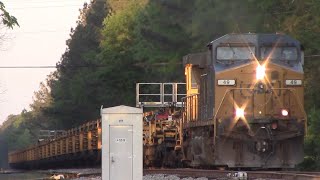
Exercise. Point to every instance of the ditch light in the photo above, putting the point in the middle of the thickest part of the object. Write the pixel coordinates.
(284, 112)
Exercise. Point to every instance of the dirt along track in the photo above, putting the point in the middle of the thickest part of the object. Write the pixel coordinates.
(213, 174)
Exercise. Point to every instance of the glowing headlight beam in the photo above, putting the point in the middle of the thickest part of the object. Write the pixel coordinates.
(260, 72)
(284, 112)
(239, 112)
(239, 115)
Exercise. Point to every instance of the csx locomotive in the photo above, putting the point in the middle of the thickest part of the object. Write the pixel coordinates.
(243, 107)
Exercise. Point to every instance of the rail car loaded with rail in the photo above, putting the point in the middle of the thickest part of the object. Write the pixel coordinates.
(241, 106)
(77, 146)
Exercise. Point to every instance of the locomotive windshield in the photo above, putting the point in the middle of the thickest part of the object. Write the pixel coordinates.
(280, 53)
(235, 53)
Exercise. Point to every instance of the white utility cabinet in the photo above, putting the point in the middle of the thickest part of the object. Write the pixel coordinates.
(122, 146)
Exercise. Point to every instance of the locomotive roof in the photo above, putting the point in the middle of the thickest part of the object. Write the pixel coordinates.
(257, 39)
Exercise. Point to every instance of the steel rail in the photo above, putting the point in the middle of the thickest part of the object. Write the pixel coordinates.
(211, 174)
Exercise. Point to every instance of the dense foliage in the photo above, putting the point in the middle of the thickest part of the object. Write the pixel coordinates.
(118, 43)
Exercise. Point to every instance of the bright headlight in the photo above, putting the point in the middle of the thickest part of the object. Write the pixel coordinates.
(284, 112)
(260, 72)
(239, 112)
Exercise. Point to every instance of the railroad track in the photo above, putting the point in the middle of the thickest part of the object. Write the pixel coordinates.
(214, 174)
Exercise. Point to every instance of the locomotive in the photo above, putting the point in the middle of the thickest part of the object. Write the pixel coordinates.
(243, 107)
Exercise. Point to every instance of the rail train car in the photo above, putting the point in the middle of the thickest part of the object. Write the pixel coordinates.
(76, 147)
(243, 108)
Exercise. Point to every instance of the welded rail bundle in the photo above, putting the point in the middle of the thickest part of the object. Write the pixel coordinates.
(77, 146)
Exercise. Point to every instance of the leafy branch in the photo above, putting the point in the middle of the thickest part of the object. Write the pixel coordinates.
(7, 19)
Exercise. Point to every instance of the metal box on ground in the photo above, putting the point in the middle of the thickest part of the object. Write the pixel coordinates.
(122, 146)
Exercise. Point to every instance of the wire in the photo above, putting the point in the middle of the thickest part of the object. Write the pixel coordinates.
(312, 55)
(84, 66)
(51, 67)
(44, 31)
(35, 7)
(27, 67)
(42, 1)
(99, 66)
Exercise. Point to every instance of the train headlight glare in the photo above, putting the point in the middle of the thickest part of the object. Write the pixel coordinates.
(239, 112)
(260, 72)
(284, 112)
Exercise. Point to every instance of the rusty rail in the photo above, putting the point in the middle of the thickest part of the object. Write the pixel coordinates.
(287, 175)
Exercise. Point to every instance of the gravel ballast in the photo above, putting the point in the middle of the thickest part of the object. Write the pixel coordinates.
(149, 177)
(168, 177)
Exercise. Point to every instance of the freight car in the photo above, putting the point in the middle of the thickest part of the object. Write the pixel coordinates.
(244, 107)
(79, 146)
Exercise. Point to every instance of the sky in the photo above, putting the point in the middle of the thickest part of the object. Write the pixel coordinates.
(39, 41)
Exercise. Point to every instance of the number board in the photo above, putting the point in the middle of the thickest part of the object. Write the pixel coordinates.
(226, 82)
(121, 140)
(294, 82)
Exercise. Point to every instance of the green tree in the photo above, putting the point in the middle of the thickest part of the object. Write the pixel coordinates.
(7, 19)
(74, 84)
(312, 142)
